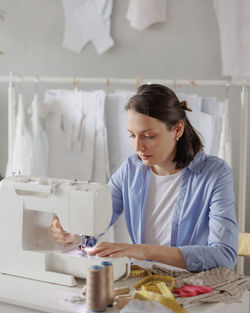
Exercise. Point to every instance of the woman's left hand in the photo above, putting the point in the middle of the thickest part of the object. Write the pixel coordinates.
(115, 250)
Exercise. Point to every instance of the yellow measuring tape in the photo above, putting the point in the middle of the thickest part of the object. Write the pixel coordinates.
(158, 288)
(137, 271)
(152, 296)
(152, 280)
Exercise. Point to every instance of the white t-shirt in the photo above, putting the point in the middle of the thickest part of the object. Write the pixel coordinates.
(159, 208)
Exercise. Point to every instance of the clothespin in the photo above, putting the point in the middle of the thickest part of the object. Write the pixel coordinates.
(107, 84)
(175, 85)
(192, 83)
(137, 82)
(74, 83)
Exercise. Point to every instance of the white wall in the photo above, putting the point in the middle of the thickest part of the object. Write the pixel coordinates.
(186, 46)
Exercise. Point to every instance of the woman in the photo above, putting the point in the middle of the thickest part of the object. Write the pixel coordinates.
(178, 201)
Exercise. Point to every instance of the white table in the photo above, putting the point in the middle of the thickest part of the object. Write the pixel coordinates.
(21, 295)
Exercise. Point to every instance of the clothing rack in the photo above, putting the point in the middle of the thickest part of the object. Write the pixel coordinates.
(136, 82)
(126, 81)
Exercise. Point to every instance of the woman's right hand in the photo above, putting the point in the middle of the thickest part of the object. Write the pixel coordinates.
(59, 234)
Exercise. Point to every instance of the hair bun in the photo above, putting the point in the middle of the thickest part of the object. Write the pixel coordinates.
(185, 106)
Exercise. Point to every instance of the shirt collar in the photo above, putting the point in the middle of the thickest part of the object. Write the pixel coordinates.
(198, 162)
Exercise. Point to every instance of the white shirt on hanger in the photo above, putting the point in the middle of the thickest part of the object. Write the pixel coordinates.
(143, 13)
(22, 150)
(40, 145)
(233, 19)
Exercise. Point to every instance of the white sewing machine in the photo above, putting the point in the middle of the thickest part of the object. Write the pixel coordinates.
(27, 206)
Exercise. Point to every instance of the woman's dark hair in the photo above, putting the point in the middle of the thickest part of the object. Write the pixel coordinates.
(161, 102)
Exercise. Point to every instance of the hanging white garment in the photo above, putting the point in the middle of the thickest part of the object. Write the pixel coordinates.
(201, 121)
(233, 18)
(119, 147)
(101, 172)
(11, 128)
(225, 148)
(87, 20)
(72, 144)
(40, 145)
(22, 150)
(72, 119)
(193, 100)
(143, 13)
(211, 106)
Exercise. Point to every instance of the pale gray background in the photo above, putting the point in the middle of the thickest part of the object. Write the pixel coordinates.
(186, 46)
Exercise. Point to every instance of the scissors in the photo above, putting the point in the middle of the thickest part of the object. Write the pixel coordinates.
(192, 290)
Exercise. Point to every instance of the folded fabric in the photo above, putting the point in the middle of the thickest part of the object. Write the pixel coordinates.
(228, 286)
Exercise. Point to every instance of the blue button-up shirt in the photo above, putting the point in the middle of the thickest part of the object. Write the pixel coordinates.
(204, 224)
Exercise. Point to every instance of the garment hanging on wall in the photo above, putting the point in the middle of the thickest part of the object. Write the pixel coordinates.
(233, 18)
(87, 20)
(72, 143)
(22, 149)
(40, 145)
(119, 146)
(143, 13)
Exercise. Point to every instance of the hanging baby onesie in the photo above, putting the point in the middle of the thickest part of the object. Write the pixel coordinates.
(87, 20)
(40, 148)
(233, 18)
(143, 13)
(22, 150)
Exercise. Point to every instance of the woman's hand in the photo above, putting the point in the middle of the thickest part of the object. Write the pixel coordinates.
(115, 250)
(167, 255)
(59, 234)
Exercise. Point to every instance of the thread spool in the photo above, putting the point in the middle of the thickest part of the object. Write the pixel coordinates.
(96, 296)
(109, 278)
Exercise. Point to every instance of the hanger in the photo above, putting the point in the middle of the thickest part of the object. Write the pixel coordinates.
(175, 85)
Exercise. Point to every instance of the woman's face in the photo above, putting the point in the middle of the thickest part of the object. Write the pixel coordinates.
(152, 141)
